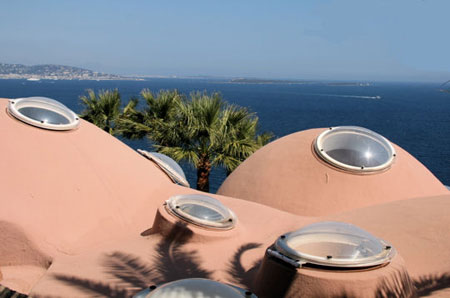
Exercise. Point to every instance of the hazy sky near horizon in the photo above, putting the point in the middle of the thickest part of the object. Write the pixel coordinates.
(308, 39)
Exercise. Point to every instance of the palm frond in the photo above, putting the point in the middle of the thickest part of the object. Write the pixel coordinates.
(179, 153)
(102, 109)
(203, 130)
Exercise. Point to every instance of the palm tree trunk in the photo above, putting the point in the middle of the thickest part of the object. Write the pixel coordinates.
(203, 170)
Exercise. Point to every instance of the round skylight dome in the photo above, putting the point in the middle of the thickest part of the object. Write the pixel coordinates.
(202, 210)
(194, 288)
(355, 148)
(334, 244)
(43, 112)
(168, 165)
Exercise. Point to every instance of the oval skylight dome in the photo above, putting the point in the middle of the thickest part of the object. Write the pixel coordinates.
(194, 288)
(355, 149)
(168, 165)
(43, 112)
(202, 210)
(335, 244)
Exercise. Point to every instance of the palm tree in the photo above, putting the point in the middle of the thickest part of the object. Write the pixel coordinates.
(155, 121)
(103, 109)
(237, 137)
(204, 131)
(209, 132)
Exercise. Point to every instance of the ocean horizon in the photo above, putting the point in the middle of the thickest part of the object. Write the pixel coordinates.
(415, 116)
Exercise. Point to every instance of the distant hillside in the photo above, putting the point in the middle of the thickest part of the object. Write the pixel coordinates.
(53, 72)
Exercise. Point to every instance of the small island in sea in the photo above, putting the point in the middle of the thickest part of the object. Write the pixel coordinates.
(268, 81)
(54, 72)
(297, 82)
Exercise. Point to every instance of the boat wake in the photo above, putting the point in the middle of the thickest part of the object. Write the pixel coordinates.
(347, 96)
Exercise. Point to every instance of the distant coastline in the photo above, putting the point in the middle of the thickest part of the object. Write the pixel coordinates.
(296, 82)
(267, 81)
(56, 72)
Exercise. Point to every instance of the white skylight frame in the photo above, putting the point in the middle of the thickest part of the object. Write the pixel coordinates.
(43, 103)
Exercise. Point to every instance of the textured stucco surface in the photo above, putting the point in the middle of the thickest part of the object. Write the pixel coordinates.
(82, 214)
(286, 174)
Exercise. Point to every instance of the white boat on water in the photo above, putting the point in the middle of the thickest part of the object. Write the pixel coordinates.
(33, 79)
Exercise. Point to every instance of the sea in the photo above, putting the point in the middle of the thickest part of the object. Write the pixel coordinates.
(415, 116)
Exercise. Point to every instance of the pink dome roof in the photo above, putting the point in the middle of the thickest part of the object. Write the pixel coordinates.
(288, 175)
(94, 209)
(80, 185)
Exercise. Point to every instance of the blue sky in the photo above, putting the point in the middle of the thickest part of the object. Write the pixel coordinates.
(308, 39)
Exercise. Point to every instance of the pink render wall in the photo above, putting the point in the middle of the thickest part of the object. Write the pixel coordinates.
(80, 204)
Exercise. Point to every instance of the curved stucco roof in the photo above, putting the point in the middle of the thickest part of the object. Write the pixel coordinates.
(91, 207)
(418, 229)
(286, 174)
(72, 189)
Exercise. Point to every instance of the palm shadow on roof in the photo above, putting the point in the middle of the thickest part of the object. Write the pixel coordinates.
(170, 260)
(129, 273)
(237, 274)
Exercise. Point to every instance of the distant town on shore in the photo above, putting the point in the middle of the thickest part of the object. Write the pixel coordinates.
(64, 72)
(54, 72)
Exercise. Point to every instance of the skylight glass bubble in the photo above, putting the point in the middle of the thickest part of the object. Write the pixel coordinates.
(355, 149)
(194, 288)
(168, 165)
(202, 210)
(44, 115)
(335, 244)
(43, 112)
